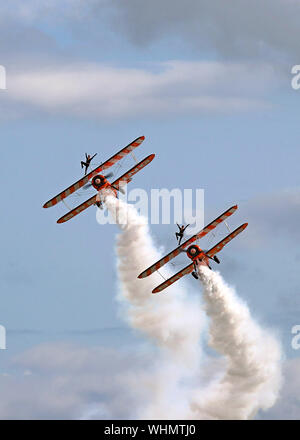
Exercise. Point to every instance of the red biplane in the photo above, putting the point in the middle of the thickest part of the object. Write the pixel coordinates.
(194, 252)
(100, 182)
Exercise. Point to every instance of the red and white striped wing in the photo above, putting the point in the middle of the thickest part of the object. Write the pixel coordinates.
(177, 251)
(81, 182)
(188, 269)
(127, 177)
(218, 247)
(78, 209)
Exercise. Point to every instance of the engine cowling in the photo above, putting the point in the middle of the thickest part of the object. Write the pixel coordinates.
(98, 181)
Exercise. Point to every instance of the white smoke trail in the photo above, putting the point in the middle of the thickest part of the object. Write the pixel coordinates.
(173, 321)
(252, 378)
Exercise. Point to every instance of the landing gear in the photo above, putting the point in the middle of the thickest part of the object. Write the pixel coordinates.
(195, 275)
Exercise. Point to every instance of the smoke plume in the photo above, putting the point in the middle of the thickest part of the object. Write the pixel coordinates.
(174, 321)
(252, 377)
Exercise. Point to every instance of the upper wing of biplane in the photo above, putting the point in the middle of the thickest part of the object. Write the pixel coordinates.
(200, 234)
(126, 178)
(77, 210)
(81, 182)
(218, 247)
(188, 269)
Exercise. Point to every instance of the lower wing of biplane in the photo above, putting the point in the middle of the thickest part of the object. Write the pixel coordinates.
(116, 185)
(191, 267)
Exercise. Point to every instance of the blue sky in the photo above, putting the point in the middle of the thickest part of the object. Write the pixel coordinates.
(212, 94)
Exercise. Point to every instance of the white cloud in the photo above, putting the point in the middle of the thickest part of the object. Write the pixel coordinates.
(288, 405)
(175, 87)
(68, 381)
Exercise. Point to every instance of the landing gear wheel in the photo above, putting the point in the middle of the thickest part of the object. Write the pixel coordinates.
(195, 275)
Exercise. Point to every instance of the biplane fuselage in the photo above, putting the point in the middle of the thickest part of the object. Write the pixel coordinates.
(99, 182)
(196, 254)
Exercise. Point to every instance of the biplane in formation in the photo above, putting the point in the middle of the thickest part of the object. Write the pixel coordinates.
(100, 182)
(194, 252)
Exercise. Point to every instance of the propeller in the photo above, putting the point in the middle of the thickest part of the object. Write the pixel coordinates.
(107, 176)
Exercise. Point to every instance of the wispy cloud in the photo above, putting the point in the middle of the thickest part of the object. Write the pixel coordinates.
(63, 380)
(170, 88)
(60, 380)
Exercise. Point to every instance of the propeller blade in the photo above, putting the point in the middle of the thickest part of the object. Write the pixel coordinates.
(107, 176)
(87, 186)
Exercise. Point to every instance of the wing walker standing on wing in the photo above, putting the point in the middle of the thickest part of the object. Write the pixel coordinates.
(180, 234)
(88, 160)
